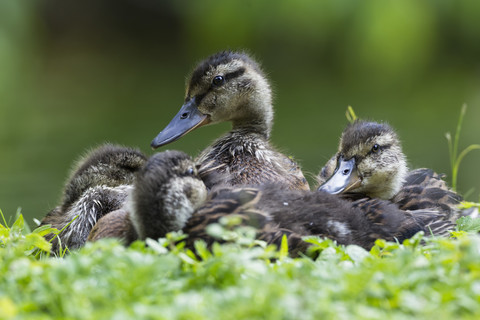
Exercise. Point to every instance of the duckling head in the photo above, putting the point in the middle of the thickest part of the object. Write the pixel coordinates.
(166, 193)
(227, 86)
(369, 161)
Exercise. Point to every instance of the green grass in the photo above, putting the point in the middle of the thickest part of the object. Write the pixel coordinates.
(422, 278)
(455, 157)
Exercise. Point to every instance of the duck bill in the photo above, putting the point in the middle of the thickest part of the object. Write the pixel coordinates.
(344, 179)
(187, 119)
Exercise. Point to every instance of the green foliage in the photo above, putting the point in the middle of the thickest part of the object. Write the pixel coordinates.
(421, 278)
(455, 157)
(468, 224)
(18, 239)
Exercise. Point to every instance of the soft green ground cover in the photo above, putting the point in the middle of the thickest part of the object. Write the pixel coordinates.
(423, 278)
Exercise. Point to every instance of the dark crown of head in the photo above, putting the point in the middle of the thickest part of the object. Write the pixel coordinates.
(363, 131)
(162, 163)
(220, 58)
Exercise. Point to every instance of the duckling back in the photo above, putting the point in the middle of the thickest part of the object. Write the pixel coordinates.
(275, 211)
(166, 198)
(425, 189)
(100, 183)
(107, 165)
(359, 222)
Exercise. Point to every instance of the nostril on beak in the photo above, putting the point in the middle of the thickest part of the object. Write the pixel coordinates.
(346, 171)
(184, 115)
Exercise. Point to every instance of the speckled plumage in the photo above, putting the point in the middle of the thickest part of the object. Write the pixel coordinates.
(169, 190)
(425, 189)
(410, 190)
(244, 158)
(99, 184)
(109, 165)
(272, 209)
(276, 211)
(244, 98)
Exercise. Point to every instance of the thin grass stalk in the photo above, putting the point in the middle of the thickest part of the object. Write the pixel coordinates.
(459, 128)
(453, 147)
(459, 160)
(3, 218)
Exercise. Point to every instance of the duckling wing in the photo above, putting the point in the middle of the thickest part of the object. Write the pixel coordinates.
(79, 218)
(432, 222)
(242, 202)
(225, 202)
(417, 197)
(427, 178)
(359, 222)
(382, 219)
(325, 215)
(426, 219)
(426, 189)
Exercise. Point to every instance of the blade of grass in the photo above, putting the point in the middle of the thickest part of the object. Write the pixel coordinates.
(284, 247)
(459, 160)
(455, 158)
(350, 114)
(448, 136)
(459, 128)
(3, 218)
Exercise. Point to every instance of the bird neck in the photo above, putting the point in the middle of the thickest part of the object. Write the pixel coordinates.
(258, 118)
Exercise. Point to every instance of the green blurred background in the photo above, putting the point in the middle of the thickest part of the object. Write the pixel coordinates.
(74, 74)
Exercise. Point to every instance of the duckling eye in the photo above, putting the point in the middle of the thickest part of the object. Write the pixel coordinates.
(218, 80)
(375, 148)
(190, 171)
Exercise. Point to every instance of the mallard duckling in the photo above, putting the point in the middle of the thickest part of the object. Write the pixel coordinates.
(370, 162)
(168, 188)
(99, 184)
(168, 196)
(230, 86)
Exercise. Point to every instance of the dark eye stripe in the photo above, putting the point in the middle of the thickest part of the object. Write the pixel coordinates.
(234, 74)
(229, 76)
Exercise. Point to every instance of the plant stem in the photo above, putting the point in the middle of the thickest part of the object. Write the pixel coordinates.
(457, 132)
(459, 159)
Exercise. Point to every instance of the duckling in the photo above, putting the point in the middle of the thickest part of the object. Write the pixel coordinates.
(168, 188)
(230, 86)
(168, 196)
(99, 183)
(370, 162)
